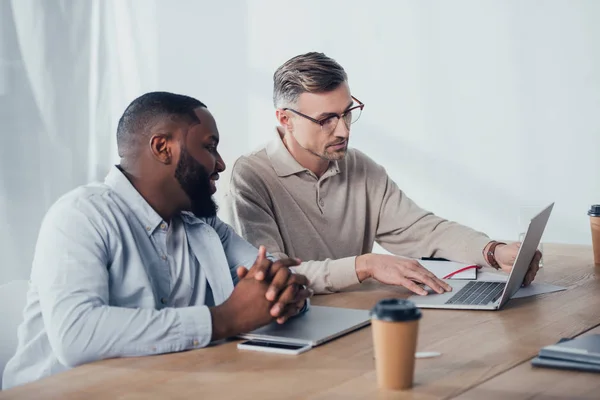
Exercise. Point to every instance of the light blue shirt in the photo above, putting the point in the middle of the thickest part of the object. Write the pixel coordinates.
(110, 278)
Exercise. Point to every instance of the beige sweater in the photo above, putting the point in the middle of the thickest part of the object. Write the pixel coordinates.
(328, 221)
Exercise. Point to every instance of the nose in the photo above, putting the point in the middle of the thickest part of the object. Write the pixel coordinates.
(341, 130)
(220, 165)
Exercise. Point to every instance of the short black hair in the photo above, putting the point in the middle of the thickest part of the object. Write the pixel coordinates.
(143, 112)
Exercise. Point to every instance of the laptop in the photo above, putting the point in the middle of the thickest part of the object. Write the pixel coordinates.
(316, 326)
(489, 295)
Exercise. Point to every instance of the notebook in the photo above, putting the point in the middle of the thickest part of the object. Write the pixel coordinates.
(448, 269)
(584, 349)
(563, 364)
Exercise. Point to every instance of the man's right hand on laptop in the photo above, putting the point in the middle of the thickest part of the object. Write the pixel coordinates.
(395, 270)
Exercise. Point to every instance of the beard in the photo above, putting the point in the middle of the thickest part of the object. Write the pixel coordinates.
(324, 154)
(329, 156)
(335, 155)
(195, 182)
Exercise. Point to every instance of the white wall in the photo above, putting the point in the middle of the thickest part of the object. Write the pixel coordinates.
(202, 53)
(476, 108)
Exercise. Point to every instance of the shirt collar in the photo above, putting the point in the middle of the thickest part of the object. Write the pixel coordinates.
(119, 183)
(283, 162)
(189, 218)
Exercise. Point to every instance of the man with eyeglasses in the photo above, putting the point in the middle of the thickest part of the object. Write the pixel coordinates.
(307, 195)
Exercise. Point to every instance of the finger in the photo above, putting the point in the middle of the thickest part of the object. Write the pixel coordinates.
(277, 265)
(427, 273)
(287, 262)
(278, 283)
(423, 275)
(535, 263)
(298, 279)
(241, 272)
(261, 259)
(300, 304)
(433, 282)
(534, 267)
(284, 318)
(287, 297)
(298, 299)
(261, 269)
(291, 311)
(413, 287)
(302, 294)
(262, 253)
(530, 276)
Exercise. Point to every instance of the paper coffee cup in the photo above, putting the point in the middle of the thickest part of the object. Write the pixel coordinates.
(594, 214)
(395, 325)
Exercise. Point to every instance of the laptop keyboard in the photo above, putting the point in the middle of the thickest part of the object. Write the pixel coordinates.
(478, 293)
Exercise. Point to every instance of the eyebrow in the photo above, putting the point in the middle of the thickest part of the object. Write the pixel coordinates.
(213, 138)
(329, 114)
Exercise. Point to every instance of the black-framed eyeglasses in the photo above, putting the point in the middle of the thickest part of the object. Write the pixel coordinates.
(329, 123)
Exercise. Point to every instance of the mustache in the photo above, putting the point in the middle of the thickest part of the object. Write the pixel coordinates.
(338, 143)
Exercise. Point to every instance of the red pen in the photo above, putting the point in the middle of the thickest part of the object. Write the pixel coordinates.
(468, 267)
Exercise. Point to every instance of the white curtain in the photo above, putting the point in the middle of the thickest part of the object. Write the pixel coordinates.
(67, 70)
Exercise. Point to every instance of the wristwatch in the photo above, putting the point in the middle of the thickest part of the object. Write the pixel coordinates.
(491, 255)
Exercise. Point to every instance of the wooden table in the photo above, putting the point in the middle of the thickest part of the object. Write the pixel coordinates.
(525, 382)
(484, 354)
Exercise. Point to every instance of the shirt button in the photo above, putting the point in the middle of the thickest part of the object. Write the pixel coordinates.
(163, 226)
(196, 343)
(163, 300)
(148, 228)
(163, 257)
(321, 202)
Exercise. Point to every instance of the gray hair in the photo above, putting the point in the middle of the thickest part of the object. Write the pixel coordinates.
(307, 73)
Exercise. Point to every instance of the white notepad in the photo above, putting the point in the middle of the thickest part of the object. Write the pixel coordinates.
(441, 269)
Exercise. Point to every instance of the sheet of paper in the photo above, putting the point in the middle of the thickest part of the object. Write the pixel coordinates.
(443, 268)
(534, 289)
(537, 288)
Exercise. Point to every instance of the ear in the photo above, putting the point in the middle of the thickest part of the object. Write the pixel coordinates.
(283, 118)
(161, 146)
